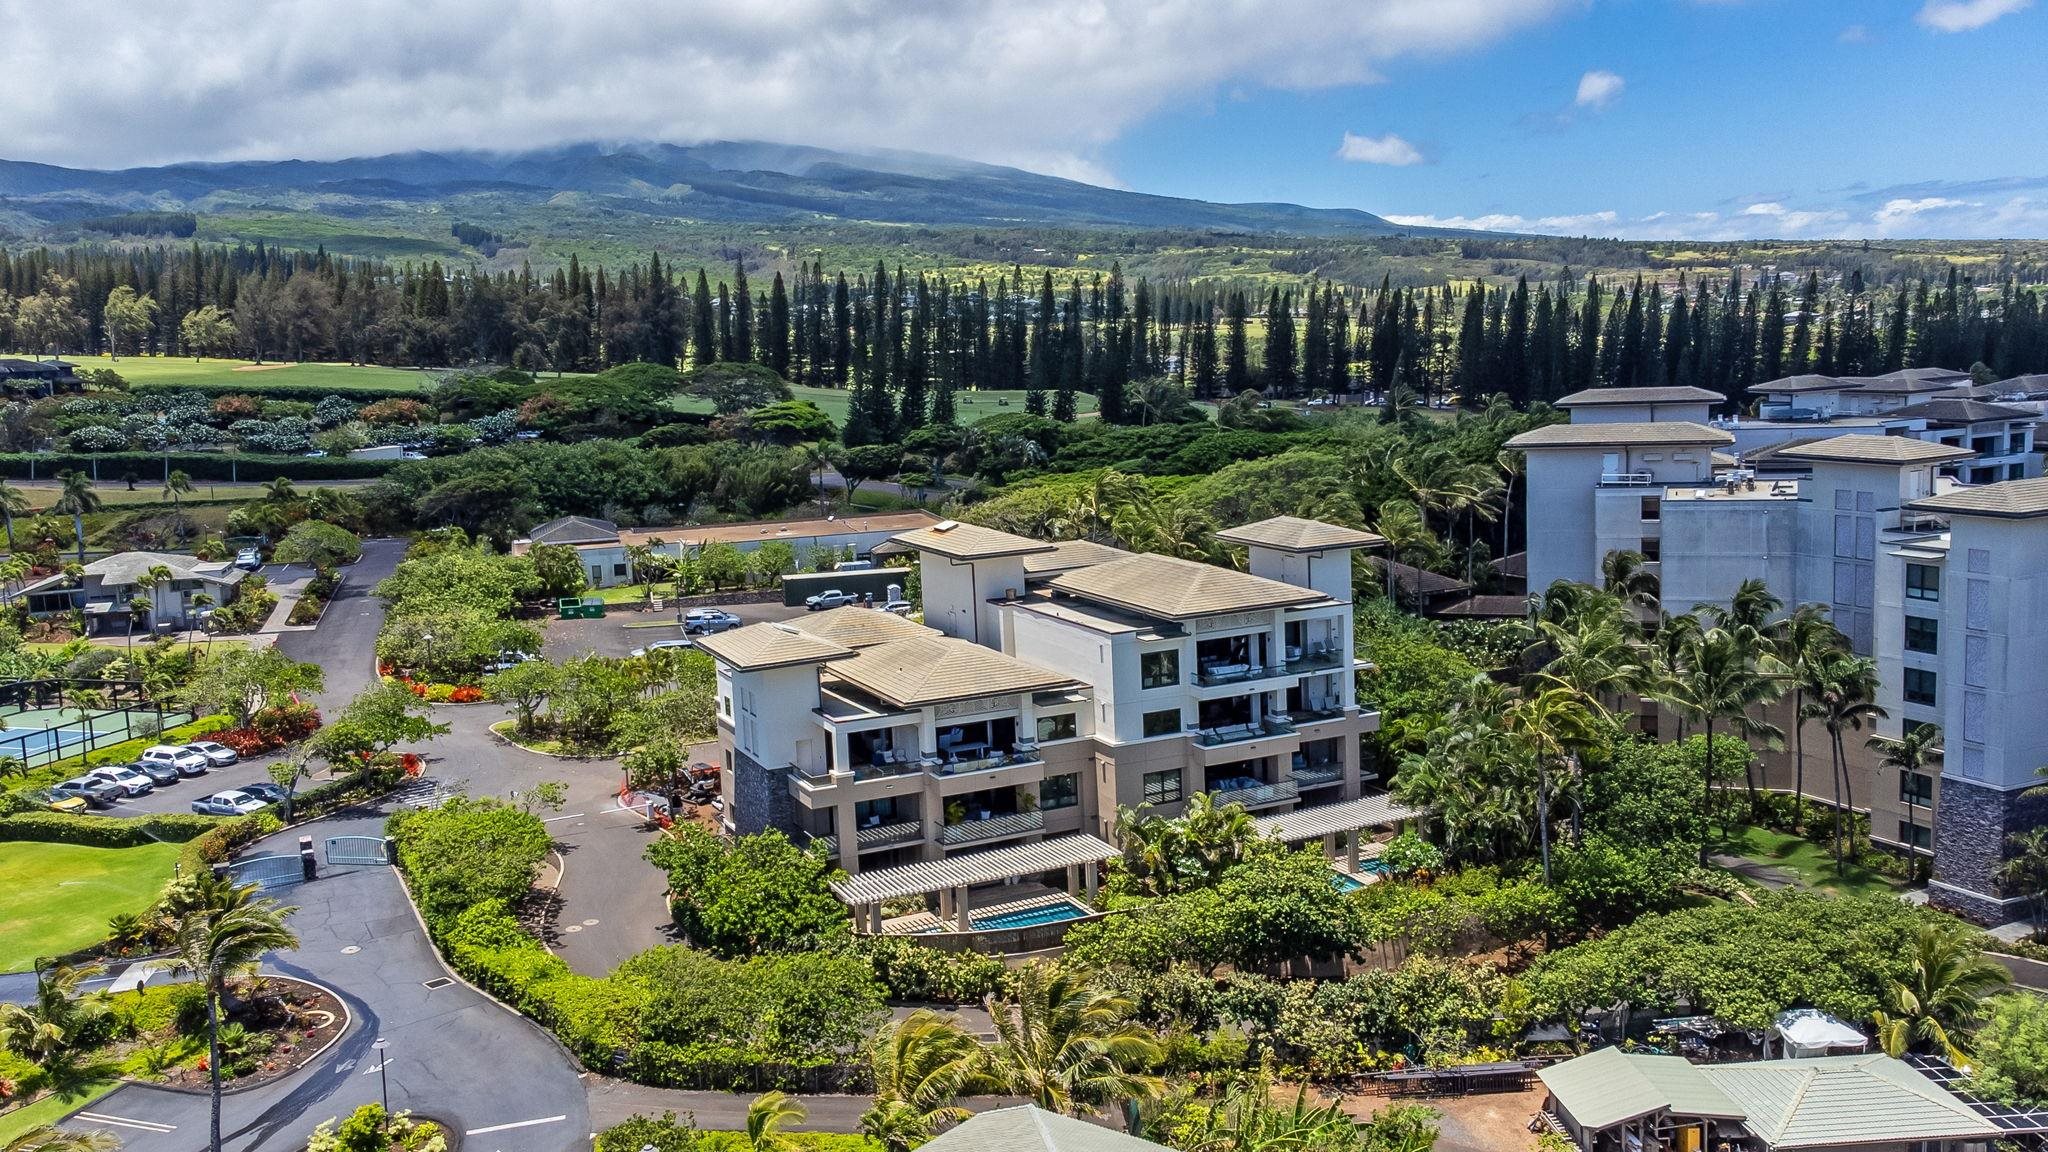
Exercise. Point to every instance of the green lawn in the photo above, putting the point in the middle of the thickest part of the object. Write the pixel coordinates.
(969, 407)
(317, 378)
(55, 898)
(52, 1108)
(1811, 865)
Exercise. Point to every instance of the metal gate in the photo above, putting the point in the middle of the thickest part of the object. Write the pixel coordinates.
(357, 850)
(267, 872)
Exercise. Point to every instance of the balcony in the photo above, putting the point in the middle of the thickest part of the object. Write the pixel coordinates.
(877, 836)
(1256, 795)
(1627, 479)
(1240, 733)
(897, 764)
(1219, 675)
(993, 828)
(1022, 756)
(1317, 658)
(1319, 775)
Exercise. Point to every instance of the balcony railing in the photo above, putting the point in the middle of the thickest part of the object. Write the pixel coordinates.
(1256, 795)
(1316, 714)
(1217, 675)
(1319, 775)
(877, 836)
(1239, 733)
(982, 763)
(993, 828)
(904, 764)
(1315, 661)
(1627, 479)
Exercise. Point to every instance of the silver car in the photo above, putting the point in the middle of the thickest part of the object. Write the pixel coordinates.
(232, 803)
(217, 754)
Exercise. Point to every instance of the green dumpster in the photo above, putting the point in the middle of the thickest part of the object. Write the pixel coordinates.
(568, 607)
(579, 608)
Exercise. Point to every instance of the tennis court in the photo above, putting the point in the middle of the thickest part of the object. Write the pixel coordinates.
(40, 735)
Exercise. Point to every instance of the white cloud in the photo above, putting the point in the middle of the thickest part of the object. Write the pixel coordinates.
(1598, 88)
(1389, 149)
(1854, 34)
(1041, 82)
(1966, 15)
(1901, 211)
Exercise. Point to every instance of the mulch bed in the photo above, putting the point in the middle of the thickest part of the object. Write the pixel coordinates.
(301, 1017)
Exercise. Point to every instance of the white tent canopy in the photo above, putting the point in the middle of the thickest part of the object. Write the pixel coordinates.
(1801, 1033)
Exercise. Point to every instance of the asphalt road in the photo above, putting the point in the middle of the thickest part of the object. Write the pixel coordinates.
(626, 627)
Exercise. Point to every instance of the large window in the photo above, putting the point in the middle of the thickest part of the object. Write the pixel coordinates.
(1062, 791)
(1060, 727)
(1920, 686)
(1918, 835)
(1164, 723)
(1162, 787)
(1923, 582)
(1159, 669)
(1916, 788)
(1923, 634)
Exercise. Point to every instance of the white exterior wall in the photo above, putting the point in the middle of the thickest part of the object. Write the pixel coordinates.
(772, 714)
(1695, 411)
(1993, 689)
(1574, 521)
(1326, 572)
(1711, 546)
(957, 595)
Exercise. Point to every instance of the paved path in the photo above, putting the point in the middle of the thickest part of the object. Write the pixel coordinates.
(612, 1101)
(1761, 874)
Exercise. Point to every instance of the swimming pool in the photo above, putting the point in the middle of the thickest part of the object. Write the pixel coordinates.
(1050, 912)
(1345, 882)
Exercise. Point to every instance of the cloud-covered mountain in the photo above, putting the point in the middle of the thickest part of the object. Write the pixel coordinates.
(726, 180)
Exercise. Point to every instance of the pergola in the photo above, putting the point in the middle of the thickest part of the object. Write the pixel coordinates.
(1326, 822)
(954, 875)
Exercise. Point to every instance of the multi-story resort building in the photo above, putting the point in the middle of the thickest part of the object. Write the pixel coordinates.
(1050, 685)
(1944, 583)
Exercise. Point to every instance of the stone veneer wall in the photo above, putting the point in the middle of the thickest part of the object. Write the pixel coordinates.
(1970, 844)
(760, 798)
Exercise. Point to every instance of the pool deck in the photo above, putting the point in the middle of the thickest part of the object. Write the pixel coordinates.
(920, 923)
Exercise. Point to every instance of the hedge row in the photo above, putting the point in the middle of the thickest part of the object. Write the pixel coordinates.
(200, 466)
(208, 840)
(284, 390)
(125, 752)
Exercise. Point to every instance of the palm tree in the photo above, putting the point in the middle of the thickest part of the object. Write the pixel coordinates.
(280, 491)
(1152, 848)
(1246, 1118)
(13, 502)
(1718, 676)
(1627, 574)
(50, 1138)
(1909, 753)
(1941, 998)
(1803, 642)
(177, 484)
(1751, 608)
(225, 936)
(1216, 836)
(921, 1065)
(1846, 684)
(77, 500)
(1554, 725)
(1068, 1046)
(46, 1028)
(2025, 873)
(767, 1116)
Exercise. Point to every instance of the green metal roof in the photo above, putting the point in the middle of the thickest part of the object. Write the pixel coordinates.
(1609, 1086)
(1844, 1100)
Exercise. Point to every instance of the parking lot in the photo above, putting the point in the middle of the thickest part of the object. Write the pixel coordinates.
(179, 797)
(625, 627)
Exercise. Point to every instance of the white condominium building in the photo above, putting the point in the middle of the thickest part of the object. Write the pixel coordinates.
(1944, 584)
(1051, 684)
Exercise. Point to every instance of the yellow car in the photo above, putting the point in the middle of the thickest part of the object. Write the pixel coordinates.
(56, 803)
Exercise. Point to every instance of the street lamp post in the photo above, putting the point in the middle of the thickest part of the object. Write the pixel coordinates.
(380, 1046)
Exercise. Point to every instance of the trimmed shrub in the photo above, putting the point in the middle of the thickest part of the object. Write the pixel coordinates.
(199, 466)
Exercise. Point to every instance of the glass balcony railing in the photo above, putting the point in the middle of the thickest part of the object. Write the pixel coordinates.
(1217, 675)
(982, 762)
(877, 836)
(1239, 733)
(1256, 795)
(1319, 775)
(993, 828)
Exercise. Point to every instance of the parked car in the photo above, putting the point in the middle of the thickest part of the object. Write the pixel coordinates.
(831, 598)
(249, 558)
(854, 566)
(98, 793)
(663, 646)
(897, 607)
(267, 792)
(509, 659)
(49, 798)
(158, 773)
(132, 781)
(231, 803)
(186, 761)
(217, 754)
(709, 620)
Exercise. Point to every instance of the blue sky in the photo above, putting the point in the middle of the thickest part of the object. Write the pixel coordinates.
(1645, 118)
(1777, 117)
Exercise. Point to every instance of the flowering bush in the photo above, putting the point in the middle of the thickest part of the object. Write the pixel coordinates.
(272, 728)
(466, 695)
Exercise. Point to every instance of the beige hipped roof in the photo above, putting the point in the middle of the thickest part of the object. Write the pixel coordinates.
(1174, 589)
(936, 669)
(761, 646)
(1294, 534)
(1029, 1129)
(1858, 448)
(1069, 554)
(859, 627)
(1674, 394)
(1608, 1087)
(2011, 499)
(1621, 432)
(957, 540)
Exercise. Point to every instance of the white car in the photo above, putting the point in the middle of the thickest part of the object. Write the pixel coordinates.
(231, 803)
(897, 607)
(217, 754)
(186, 761)
(249, 558)
(132, 781)
(832, 598)
(662, 646)
(709, 620)
(508, 660)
